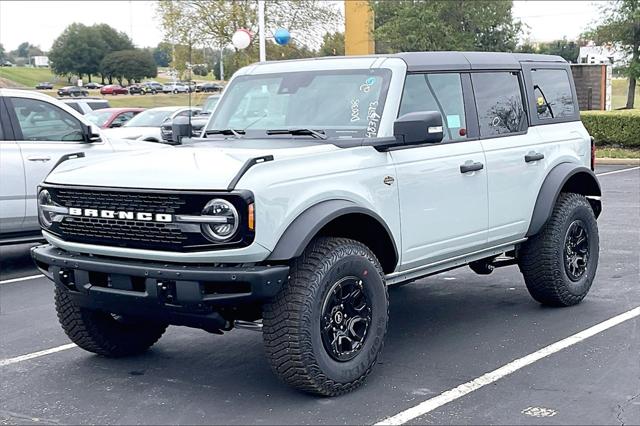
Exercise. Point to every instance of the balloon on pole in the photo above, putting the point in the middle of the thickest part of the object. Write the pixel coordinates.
(282, 36)
(241, 39)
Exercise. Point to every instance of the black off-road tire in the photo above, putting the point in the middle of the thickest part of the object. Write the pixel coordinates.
(542, 257)
(101, 333)
(292, 320)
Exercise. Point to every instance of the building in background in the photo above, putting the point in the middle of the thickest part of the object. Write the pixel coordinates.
(40, 61)
(593, 85)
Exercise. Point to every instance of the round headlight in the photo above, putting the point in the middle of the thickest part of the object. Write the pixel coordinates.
(45, 215)
(224, 220)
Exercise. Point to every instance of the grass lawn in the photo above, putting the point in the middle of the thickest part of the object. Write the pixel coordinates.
(29, 77)
(619, 88)
(617, 153)
(146, 101)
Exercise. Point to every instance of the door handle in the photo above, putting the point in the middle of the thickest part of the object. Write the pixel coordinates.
(471, 167)
(533, 156)
(43, 159)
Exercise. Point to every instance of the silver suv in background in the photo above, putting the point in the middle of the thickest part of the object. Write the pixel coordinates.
(36, 133)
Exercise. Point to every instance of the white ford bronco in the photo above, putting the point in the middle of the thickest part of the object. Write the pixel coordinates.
(315, 185)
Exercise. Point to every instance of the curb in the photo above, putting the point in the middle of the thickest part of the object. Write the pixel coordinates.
(618, 161)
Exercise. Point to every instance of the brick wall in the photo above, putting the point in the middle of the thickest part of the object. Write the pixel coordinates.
(591, 85)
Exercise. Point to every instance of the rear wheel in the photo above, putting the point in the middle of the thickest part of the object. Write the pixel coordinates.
(324, 330)
(559, 263)
(104, 333)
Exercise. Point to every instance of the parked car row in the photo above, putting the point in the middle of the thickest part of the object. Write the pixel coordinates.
(151, 87)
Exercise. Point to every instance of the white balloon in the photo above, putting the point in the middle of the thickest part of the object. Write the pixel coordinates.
(241, 39)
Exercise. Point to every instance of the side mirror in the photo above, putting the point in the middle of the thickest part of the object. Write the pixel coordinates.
(180, 128)
(116, 124)
(91, 133)
(420, 127)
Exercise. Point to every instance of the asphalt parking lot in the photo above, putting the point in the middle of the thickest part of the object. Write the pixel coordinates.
(444, 331)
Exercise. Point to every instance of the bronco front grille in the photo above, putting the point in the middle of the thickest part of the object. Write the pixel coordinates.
(136, 233)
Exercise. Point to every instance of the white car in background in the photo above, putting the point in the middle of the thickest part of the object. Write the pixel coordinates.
(38, 132)
(146, 125)
(175, 88)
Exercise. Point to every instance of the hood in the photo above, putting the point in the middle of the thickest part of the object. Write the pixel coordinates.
(196, 166)
(133, 133)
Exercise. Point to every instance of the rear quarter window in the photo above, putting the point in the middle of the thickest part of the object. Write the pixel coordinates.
(552, 94)
(98, 105)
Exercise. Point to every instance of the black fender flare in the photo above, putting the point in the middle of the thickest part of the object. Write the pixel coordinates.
(307, 225)
(584, 181)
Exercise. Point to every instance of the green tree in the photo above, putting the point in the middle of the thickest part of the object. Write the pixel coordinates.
(3, 54)
(419, 25)
(162, 54)
(26, 49)
(80, 49)
(332, 44)
(620, 26)
(206, 21)
(569, 50)
(135, 64)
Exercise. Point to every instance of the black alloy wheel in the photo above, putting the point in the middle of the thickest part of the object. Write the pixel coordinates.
(346, 318)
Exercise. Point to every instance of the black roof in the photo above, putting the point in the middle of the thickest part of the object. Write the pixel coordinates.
(440, 61)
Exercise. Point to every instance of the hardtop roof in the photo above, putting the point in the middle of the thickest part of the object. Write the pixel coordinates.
(428, 61)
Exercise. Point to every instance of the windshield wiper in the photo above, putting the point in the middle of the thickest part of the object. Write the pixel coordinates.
(315, 133)
(236, 133)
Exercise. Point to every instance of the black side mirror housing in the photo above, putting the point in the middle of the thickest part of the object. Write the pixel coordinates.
(180, 128)
(420, 127)
(91, 133)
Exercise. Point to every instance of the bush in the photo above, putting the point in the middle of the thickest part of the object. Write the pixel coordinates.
(621, 128)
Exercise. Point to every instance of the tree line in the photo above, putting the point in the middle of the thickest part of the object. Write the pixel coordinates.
(100, 50)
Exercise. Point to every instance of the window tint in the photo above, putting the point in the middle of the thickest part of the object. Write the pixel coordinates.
(122, 118)
(42, 121)
(552, 92)
(75, 106)
(1, 133)
(98, 105)
(437, 92)
(499, 103)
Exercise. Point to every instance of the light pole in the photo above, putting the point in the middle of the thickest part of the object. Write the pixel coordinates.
(261, 35)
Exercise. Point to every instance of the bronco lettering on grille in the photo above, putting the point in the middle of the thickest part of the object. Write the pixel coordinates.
(123, 215)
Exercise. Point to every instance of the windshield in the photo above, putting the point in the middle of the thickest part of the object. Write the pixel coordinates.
(99, 118)
(149, 118)
(210, 104)
(342, 103)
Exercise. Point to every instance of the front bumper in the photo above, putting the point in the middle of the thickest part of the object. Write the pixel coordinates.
(191, 295)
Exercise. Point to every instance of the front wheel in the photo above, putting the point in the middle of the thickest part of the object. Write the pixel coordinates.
(104, 333)
(325, 328)
(559, 263)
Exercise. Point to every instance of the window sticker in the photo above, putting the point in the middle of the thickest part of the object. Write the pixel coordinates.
(366, 87)
(374, 119)
(355, 110)
(453, 121)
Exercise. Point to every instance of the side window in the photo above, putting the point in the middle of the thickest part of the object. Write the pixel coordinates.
(42, 121)
(121, 119)
(437, 92)
(75, 106)
(499, 103)
(552, 92)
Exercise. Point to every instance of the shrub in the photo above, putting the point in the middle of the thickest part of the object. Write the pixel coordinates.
(621, 128)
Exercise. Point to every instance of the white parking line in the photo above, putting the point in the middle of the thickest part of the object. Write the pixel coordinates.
(488, 378)
(618, 171)
(15, 280)
(32, 355)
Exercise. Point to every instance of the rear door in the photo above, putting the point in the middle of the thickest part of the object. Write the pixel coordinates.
(443, 208)
(516, 161)
(12, 181)
(44, 133)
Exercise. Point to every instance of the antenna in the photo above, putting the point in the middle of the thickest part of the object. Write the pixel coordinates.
(189, 84)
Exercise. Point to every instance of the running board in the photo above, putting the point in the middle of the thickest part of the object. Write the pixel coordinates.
(444, 265)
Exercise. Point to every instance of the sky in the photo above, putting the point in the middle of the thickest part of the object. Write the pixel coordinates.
(40, 22)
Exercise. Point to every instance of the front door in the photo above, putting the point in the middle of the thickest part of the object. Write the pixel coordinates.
(45, 132)
(442, 187)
